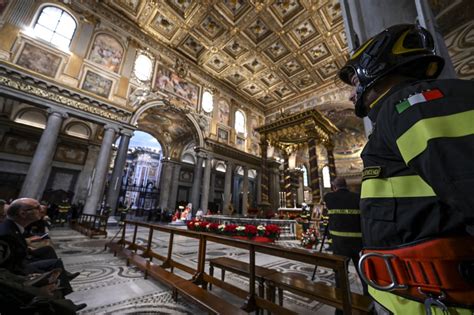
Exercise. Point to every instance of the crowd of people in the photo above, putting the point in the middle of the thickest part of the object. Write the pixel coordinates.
(33, 278)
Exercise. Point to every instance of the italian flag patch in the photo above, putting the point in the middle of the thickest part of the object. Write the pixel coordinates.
(419, 98)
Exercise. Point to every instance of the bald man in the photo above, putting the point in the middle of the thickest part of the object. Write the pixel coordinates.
(22, 212)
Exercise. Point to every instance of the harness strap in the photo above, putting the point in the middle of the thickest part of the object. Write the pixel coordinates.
(433, 266)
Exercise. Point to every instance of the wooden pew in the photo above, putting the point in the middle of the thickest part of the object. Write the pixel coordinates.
(316, 291)
(240, 268)
(177, 284)
(91, 225)
(301, 286)
(342, 297)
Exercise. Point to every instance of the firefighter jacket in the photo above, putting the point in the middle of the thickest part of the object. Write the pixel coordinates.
(418, 178)
(344, 220)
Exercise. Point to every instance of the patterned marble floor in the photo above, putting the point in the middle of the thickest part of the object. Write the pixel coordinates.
(110, 287)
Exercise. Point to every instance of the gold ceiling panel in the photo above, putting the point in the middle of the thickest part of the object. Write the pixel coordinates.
(272, 52)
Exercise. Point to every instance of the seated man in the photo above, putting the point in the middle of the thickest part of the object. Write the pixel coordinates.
(40, 227)
(21, 213)
(23, 295)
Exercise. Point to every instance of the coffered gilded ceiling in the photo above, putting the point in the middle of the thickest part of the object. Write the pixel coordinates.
(272, 52)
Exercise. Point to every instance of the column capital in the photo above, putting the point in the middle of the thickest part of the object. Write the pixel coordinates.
(57, 112)
(166, 159)
(126, 133)
(111, 127)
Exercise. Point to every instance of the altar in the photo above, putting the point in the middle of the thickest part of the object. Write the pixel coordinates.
(290, 212)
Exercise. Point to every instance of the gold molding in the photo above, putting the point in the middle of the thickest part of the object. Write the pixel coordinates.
(33, 89)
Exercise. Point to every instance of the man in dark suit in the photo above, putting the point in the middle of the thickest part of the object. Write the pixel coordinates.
(22, 212)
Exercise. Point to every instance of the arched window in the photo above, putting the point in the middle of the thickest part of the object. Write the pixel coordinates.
(239, 123)
(55, 26)
(326, 177)
(143, 68)
(207, 102)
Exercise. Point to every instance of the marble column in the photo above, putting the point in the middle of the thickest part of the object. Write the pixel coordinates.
(274, 181)
(259, 186)
(197, 179)
(206, 183)
(84, 180)
(174, 185)
(212, 188)
(117, 173)
(314, 170)
(227, 187)
(43, 158)
(165, 185)
(245, 190)
(331, 163)
(300, 189)
(96, 190)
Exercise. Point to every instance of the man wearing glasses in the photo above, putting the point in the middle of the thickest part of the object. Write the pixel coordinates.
(23, 260)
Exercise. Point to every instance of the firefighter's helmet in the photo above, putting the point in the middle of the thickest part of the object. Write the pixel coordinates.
(405, 49)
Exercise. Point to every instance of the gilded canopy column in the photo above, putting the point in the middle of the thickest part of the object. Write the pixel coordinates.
(313, 165)
(264, 180)
(287, 182)
(331, 162)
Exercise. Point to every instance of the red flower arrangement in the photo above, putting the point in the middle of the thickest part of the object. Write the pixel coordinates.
(250, 230)
(270, 231)
(230, 229)
(213, 227)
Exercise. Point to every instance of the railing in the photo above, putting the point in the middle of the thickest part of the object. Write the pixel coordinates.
(199, 276)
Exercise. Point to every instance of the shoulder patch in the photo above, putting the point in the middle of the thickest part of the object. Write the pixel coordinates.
(371, 172)
(417, 98)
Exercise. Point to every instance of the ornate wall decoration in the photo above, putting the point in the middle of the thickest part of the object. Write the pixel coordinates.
(97, 84)
(70, 154)
(240, 143)
(223, 112)
(19, 145)
(39, 60)
(181, 68)
(107, 52)
(186, 176)
(222, 135)
(170, 81)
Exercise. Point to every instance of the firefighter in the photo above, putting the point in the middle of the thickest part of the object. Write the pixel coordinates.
(417, 197)
(344, 222)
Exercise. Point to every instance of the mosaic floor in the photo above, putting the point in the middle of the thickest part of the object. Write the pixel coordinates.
(110, 287)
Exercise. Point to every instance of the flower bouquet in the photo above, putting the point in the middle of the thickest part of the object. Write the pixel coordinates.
(309, 238)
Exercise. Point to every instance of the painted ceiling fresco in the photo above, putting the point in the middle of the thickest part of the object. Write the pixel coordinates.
(270, 52)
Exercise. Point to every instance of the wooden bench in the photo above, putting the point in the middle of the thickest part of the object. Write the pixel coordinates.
(178, 285)
(341, 298)
(240, 268)
(300, 285)
(92, 225)
(316, 291)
